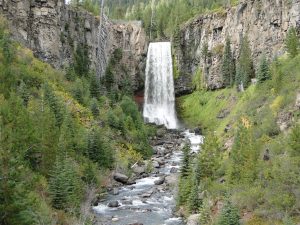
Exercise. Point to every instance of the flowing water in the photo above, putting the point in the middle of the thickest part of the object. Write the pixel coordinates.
(159, 106)
(145, 202)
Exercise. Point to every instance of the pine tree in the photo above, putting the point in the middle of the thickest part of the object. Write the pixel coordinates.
(245, 68)
(263, 73)
(65, 184)
(228, 70)
(194, 202)
(229, 215)
(185, 168)
(54, 104)
(23, 93)
(292, 43)
(295, 141)
(94, 107)
(99, 150)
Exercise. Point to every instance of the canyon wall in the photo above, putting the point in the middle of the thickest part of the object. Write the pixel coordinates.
(265, 22)
(53, 30)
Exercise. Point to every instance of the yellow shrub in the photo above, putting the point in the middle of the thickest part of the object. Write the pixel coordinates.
(277, 104)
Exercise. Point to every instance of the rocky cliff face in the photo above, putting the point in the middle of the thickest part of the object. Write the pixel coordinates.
(265, 22)
(53, 31)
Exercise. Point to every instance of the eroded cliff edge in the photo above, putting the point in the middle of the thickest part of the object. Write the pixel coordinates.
(53, 31)
(265, 22)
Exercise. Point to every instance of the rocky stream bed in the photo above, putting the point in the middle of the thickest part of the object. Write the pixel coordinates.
(150, 198)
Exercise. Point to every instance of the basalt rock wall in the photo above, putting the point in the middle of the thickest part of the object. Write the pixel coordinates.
(265, 22)
(53, 30)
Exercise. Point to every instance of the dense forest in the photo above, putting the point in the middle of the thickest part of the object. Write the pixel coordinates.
(60, 136)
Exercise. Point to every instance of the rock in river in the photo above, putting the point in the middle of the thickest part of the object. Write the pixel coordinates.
(121, 178)
(113, 204)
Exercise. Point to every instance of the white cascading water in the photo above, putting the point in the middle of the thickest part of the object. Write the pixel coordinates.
(159, 106)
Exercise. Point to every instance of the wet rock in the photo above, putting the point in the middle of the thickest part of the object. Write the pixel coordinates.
(160, 181)
(131, 182)
(127, 202)
(173, 170)
(113, 204)
(159, 160)
(135, 224)
(115, 219)
(121, 178)
(198, 131)
(147, 194)
(155, 164)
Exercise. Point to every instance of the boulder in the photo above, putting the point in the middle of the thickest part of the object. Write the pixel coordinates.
(173, 170)
(139, 169)
(160, 181)
(113, 204)
(193, 219)
(121, 178)
(155, 164)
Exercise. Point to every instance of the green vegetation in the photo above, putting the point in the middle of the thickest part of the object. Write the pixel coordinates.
(292, 43)
(244, 68)
(228, 65)
(59, 137)
(250, 159)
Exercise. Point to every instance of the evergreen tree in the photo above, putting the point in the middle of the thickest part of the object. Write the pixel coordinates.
(244, 155)
(65, 184)
(94, 107)
(194, 202)
(292, 43)
(185, 168)
(54, 104)
(17, 202)
(294, 141)
(228, 68)
(48, 135)
(82, 61)
(245, 69)
(23, 93)
(229, 215)
(263, 73)
(99, 150)
(208, 158)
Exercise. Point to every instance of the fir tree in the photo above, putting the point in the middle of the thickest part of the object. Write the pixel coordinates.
(185, 168)
(245, 69)
(228, 70)
(94, 107)
(54, 104)
(65, 184)
(99, 150)
(292, 43)
(263, 73)
(194, 202)
(81, 61)
(229, 215)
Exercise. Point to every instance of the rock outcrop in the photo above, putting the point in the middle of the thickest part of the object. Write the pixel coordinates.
(53, 30)
(265, 22)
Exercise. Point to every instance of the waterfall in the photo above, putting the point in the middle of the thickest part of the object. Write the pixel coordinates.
(159, 106)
